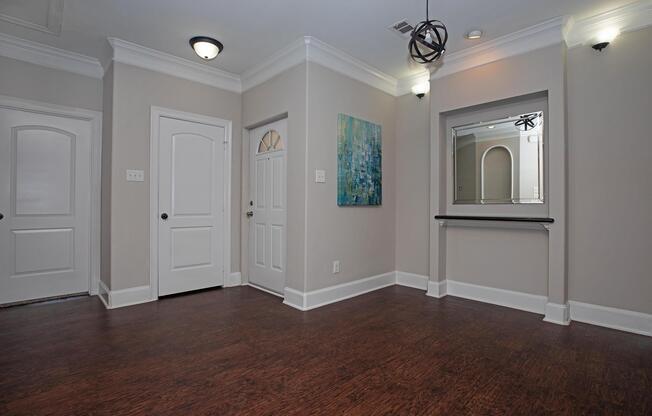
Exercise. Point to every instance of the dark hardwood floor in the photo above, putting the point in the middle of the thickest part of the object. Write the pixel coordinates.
(240, 351)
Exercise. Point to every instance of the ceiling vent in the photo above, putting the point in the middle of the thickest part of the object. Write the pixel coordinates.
(402, 28)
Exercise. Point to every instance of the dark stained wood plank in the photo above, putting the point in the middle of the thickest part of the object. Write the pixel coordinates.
(240, 351)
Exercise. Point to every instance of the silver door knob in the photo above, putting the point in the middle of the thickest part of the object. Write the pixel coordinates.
(250, 214)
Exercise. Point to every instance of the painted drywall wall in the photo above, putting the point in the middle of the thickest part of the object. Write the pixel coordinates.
(135, 91)
(610, 166)
(527, 75)
(38, 83)
(105, 210)
(282, 94)
(412, 183)
(361, 238)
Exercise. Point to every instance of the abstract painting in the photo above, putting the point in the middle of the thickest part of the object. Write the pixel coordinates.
(359, 156)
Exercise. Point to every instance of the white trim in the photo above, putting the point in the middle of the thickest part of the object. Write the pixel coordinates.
(404, 85)
(95, 119)
(311, 49)
(529, 39)
(557, 314)
(49, 56)
(233, 279)
(291, 55)
(620, 319)
(262, 289)
(52, 19)
(156, 114)
(140, 56)
(113, 299)
(416, 281)
(630, 17)
(501, 297)
(437, 289)
(317, 298)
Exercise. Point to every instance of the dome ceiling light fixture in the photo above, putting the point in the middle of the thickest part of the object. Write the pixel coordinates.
(428, 40)
(205, 47)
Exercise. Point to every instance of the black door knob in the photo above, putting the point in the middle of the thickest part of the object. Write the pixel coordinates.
(164, 216)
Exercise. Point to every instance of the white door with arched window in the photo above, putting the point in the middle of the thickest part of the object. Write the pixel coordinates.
(267, 209)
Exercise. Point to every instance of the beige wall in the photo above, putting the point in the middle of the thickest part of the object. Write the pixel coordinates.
(610, 166)
(283, 94)
(33, 82)
(361, 238)
(135, 91)
(412, 183)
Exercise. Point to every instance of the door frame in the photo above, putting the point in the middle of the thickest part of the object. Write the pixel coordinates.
(248, 156)
(95, 119)
(156, 114)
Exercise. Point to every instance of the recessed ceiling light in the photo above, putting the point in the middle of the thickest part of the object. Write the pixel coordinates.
(205, 47)
(473, 34)
(491, 127)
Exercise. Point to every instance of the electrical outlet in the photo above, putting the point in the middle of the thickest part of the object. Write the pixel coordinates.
(336, 267)
(320, 176)
(135, 175)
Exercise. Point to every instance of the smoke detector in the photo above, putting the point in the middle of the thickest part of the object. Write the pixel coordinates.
(402, 28)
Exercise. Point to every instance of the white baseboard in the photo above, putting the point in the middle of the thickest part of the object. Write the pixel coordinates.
(621, 319)
(508, 298)
(557, 314)
(234, 279)
(416, 281)
(126, 297)
(436, 289)
(315, 299)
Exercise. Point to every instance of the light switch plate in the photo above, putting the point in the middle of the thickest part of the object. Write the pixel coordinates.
(320, 176)
(135, 175)
(336, 267)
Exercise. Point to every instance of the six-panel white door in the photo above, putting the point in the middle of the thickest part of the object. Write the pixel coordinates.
(267, 211)
(45, 204)
(191, 206)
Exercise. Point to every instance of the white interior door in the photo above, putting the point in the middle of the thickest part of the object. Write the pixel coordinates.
(267, 211)
(191, 206)
(45, 205)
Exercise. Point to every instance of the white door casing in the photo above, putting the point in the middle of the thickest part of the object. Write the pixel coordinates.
(190, 185)
(268, 196)
(49, 198)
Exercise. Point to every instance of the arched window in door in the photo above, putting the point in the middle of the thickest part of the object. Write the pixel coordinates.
(271, 142)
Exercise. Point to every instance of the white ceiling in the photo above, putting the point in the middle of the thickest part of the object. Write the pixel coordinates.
(252, 30)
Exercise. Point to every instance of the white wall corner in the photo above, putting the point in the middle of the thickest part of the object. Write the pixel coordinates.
(49, 56)
(295, 299)
(437, 289)
(529, 39)
(153, 60)
(620, 319)
(126, 297)
(632, 16)
(416, 281)
(557, 314)
(233, 279)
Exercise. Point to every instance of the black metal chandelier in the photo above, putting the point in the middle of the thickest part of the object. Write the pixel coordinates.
(527, 122)
(428, 40)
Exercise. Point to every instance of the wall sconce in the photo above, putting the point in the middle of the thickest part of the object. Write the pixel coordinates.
(420, 90)
(604, 38)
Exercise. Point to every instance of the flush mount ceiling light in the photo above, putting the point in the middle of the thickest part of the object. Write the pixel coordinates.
(428, 40)
(604, 38)
(473, 34)
(205, 47)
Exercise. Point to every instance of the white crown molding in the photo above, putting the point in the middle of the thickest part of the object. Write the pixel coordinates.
(49, 56)
(630, 17)
(404, 85)
(535, 37)
(310, 49)
(140, 56)
(292, 55)
(53, 19)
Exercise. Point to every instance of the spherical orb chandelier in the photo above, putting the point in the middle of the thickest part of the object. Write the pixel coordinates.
(527, 122)
(428, 40)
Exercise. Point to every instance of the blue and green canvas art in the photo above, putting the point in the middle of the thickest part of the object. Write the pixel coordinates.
(359, 156)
